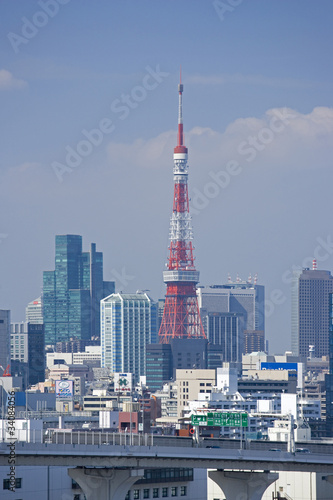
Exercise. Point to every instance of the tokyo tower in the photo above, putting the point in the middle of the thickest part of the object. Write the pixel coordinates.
(181, 317)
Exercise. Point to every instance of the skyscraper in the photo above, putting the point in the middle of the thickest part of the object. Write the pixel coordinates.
(34, 311)
(226, 330)
(36, 353)
(310, 320)
(28, 351)
(128, 325)
(71, 293)
(93, 280)
(244, 302)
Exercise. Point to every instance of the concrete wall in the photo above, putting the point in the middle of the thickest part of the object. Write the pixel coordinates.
(298, 485)
(301, 486)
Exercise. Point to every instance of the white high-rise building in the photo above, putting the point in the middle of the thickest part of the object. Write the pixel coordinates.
(128, 325)
(34, 311)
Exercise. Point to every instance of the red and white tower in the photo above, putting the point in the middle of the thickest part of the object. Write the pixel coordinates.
(181, 317)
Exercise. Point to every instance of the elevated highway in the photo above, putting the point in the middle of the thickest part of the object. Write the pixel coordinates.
(107, 471)
(133, 456)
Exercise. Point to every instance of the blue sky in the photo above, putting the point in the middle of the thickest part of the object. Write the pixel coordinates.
(255, 62)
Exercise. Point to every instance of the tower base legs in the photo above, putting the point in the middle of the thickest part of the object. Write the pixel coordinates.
(105, 483)
(242, 485)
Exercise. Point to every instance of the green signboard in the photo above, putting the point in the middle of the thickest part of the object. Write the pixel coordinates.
(225, 419)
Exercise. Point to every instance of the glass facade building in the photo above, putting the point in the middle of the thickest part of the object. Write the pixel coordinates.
(72, 292)
(128, 325)
(27, 351)
(158, 366)
(36, 357)
(229, 313)
(310, 323)
(227, 331)
(240, 297)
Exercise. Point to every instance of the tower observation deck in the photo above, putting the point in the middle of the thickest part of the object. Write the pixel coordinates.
(181, 317)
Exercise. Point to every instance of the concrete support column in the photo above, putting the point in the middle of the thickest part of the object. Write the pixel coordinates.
(242, 485)
(105, 483)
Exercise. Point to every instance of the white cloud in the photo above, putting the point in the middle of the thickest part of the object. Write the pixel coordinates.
(281, 137)
(149, 153)
(8, 81)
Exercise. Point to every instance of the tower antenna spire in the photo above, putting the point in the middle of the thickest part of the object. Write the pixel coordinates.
(181, 316)
(180, 138)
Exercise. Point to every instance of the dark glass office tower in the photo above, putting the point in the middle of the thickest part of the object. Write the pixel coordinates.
(71, 293)
(92, 269)
(310, 312)
(36, 356)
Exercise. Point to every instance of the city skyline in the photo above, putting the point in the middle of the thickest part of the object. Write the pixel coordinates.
(259, 122)
(72, 292)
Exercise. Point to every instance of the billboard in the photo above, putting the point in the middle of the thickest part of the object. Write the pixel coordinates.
(278, 366)
(123, 382)
(64, 389)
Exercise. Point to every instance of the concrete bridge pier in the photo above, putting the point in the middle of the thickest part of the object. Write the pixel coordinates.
(238, 485)
(105, 483)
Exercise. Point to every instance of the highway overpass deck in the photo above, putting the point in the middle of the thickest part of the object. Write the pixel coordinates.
(140, 457)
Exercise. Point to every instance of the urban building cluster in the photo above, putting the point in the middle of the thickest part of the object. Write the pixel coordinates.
(91, 358)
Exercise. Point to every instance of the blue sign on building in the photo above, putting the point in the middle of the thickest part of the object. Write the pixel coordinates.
(278, 366)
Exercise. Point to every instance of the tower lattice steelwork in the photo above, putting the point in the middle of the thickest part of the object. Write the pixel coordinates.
(181, 317)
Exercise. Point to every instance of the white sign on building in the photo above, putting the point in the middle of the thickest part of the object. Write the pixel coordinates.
(123, 382)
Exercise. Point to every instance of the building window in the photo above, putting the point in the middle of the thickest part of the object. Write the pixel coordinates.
(146, 493)
(155, 493)
(183, 491)
(136, 494)
(7, 486)
(128, 496)
(174, 491)
(164, 492)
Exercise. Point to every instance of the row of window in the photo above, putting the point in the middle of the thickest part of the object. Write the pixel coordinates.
(164, 492)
